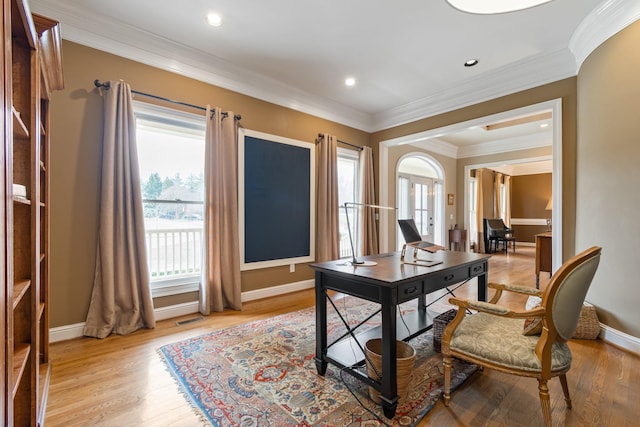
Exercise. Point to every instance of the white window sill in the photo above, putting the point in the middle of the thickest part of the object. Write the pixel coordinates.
(182, 285)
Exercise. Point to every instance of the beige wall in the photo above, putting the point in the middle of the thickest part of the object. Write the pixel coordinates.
(608, 175)
(76, 128)
(606, 159)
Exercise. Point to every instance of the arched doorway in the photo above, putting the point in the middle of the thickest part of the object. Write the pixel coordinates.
(420, 195)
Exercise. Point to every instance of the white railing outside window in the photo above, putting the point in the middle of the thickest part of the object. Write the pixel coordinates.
(174, 252)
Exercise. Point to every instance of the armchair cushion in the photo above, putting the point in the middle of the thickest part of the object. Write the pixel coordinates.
(499, 340)
(533, 326)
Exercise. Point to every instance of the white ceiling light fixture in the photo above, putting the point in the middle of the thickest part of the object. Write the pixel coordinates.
(486, 7)
(214, 19)
(471, 62)
(350, 81)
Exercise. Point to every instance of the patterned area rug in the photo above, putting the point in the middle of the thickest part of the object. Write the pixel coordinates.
(263, 374)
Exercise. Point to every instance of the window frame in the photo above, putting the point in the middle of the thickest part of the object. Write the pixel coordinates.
(354, 156)
(189, 124)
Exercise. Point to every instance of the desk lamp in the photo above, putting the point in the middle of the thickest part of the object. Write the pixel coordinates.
(354, 260)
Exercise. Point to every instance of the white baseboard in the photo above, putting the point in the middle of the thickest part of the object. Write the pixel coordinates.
(277, 290)
(177, 310)
(67, 332)
(620, 339)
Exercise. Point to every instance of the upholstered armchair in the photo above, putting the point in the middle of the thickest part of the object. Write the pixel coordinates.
(506, 340)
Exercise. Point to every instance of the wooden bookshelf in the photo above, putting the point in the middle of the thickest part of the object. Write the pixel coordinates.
(32, 69)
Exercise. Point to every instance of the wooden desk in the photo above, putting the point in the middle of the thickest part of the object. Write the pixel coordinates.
(543, 255)
(389, 283)
(458, 238)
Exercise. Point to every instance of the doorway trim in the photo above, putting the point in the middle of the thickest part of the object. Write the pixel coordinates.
(554, 105)
(439, 179)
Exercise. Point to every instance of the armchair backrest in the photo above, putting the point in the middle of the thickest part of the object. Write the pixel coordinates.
(567, 290)
(496, 227)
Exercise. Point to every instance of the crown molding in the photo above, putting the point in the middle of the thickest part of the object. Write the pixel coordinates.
(435, 145)
(125, 41)
(506, 145)
(609, 18)
(525, 74)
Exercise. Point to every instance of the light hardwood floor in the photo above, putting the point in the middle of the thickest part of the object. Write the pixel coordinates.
(121, 381)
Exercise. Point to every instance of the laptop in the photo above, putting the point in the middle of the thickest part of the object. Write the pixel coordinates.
(413, 238)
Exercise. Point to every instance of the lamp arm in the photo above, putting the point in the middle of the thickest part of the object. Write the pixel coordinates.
(353, 251)
(354, 260)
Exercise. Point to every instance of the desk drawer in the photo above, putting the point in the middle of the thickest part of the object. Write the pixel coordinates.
(409, 291)
(448, 278)
(477, 269)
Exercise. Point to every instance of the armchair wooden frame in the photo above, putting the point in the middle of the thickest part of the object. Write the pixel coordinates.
(559, 321)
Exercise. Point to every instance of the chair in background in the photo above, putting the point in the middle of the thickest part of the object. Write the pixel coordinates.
(495, 337)
(496, 232)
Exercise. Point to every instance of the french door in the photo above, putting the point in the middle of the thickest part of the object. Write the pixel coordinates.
(416, 195)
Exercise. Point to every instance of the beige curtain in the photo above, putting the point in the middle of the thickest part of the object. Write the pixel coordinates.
(497, 182)
(121, 300)
(220, 286)
(480, 210)
(327, 225)
(368, 197)
(507, 201)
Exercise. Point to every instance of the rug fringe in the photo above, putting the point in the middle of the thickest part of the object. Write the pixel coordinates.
(202, 418)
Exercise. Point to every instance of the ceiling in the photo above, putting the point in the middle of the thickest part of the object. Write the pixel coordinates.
(407, 57)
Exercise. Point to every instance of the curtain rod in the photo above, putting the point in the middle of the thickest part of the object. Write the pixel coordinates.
(107, 85)
(321, 135)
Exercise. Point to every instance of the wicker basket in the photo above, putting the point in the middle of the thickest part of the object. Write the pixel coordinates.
(588, 324)
(405, 358)
(440, 323)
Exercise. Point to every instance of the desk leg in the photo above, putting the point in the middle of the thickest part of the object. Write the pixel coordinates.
(389, 392)
(482, 286)
(321, 325)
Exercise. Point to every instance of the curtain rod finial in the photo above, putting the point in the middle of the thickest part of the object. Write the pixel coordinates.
(97, 84)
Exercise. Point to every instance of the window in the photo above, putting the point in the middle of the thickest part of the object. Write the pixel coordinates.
(347, 192)
(171, 162)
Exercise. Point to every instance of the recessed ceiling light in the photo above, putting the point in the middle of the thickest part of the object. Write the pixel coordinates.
(350, 81)
(470, 62)
(214, 19)
(494, 6)
(544, 125)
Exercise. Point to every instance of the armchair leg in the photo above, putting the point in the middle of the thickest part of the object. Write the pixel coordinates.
(447, 379)
(545, 401)
(565, 390)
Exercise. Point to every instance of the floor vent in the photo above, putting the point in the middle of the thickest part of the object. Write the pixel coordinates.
(187, 321)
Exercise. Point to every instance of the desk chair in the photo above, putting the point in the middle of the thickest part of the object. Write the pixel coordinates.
(507, 340)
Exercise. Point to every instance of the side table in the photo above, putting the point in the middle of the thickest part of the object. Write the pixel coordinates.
(458, 238)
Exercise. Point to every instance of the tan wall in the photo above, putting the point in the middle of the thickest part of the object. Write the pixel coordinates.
(608, 175)
(76, 128)
(529, 197)
(607, 157)
(563, 89)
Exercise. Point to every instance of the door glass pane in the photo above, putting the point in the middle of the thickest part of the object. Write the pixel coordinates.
(421, 209)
